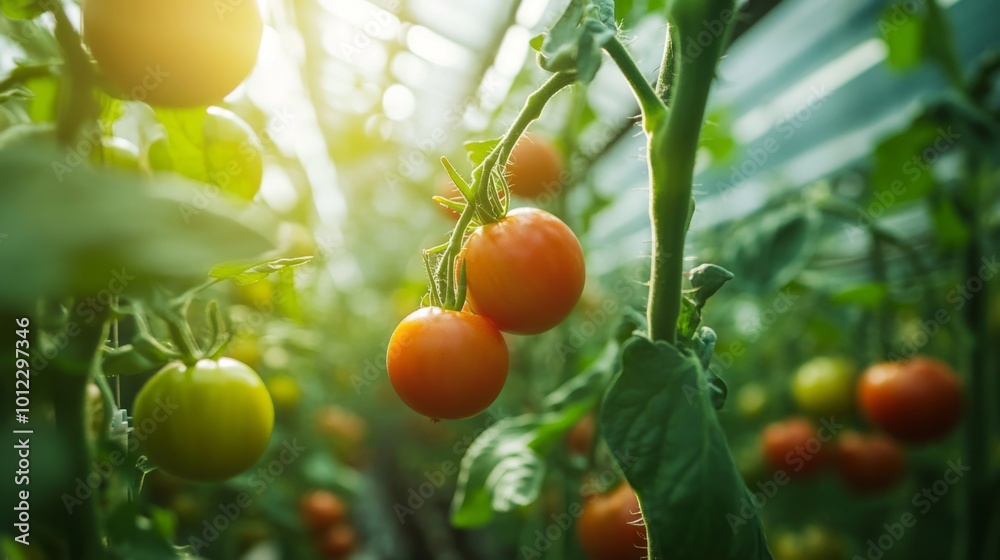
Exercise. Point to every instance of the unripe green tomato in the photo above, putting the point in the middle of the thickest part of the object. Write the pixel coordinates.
(207, 421)
(233, 155)
(824, 385)
(751, 400)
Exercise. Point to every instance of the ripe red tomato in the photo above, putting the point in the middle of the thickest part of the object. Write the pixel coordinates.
(610, 526)
(338, 542)
(535, 168)
(915, 401)
(581, 436)
(321, 510)
(868, 463)
(792, 445)
(525, 272)
(447, 364)
(206, 421)
(174, 53)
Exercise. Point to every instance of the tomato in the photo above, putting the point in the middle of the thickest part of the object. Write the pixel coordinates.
(338, 542)
(868, 464)
(792, 445)
(321, 510)
(526, 272)
(206, 421)
(535, 168)
(232, 160)
(447, 364)
(345, 429)
(244, 349)
(174, 53)
(751, 400)
(610, 526)
(824, 386)
(581, 437)
(915, 401)
(284, 391)
(812, 543)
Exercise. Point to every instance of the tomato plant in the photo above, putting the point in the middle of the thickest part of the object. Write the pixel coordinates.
(447, 364)
(525, 272)
(868, 463)
(610, 526)
(205, 421)
(173, 54)
(916, 401)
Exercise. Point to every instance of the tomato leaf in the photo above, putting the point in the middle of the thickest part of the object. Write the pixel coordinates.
(770, 252)
(247, 273)
(22, 9)
(477, 150)
(901, 172)
(659, 415)
(868, 295)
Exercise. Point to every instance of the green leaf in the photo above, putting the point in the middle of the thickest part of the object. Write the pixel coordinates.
(659, 418)
(72, 229)
(244, 273)
(503, 467)
(584, 388)
(603, 11)
(478, 150)
(707, 279)
(22, 9)
(770, 251)
(127, 360)
(868, 295)
(904, 36)
(901, 172)
(44, 102)
(559, 47)
(951, 230)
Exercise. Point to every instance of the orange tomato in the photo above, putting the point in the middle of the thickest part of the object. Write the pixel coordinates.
(792, 445)
(173, 53)
(447, 364)
(869, 464)
(526, 272)
(610, 527)
(321, 510)
(915, 402)
(535, 168)
(580, 438)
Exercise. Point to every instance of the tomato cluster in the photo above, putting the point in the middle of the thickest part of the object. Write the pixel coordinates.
(325, 516)
(524, 274)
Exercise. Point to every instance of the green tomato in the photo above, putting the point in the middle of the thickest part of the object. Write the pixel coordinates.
(206, 421)
(232, 156)
(751, 400)
(824, 385)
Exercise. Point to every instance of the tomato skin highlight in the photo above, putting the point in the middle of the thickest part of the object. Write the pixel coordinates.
(447, 364)
(792, 445)
(535, 168)
(869, 464)
(526, 272)
(915, 402)
(173, 53)
(610, 526)
(208, 421)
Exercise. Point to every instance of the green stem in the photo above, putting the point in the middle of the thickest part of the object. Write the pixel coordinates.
(76, 102)
(652, 107)
(672, 146)
(70, 372)
(531, 110)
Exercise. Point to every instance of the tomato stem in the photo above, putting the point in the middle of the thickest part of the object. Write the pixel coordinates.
(76, 102)
(653, 109)
(532, 109)
(672, 147)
